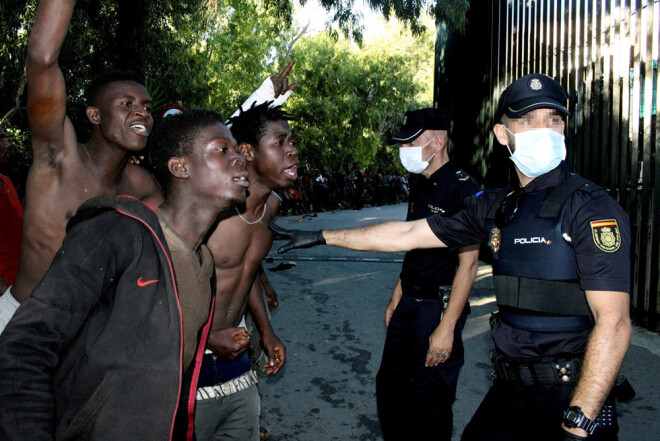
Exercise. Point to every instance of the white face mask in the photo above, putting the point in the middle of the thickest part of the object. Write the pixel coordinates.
(411, 158)
(537, 151)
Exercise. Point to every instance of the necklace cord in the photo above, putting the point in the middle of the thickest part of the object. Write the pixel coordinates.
(247, 221)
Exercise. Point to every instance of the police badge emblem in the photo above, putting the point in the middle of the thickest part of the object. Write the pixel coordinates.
(535, 84)
(606, 235)
(495, 239)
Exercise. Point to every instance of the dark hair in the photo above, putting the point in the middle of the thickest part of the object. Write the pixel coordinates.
(250, 125)
(174, 136)
(99, 83)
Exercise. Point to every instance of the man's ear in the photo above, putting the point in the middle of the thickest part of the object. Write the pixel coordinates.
(501, 134)
(93, 115)
(247, 150)
(177, 166)
(440, 141)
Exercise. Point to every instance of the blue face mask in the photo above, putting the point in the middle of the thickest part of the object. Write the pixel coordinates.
(537, 151)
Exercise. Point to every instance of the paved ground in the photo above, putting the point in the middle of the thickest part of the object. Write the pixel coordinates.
(331, 319)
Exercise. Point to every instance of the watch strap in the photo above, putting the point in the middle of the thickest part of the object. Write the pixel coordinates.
(575, 418)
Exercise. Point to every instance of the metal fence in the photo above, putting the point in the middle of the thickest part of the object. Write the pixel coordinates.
(605, 53)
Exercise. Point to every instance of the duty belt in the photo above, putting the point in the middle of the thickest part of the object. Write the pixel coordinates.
(541, 373)
(418, 291)
(230, 387)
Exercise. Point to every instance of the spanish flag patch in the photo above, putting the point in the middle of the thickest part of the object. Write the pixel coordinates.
(606, 235)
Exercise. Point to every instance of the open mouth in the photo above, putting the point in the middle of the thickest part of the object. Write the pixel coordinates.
(242, 180)
(292, 172)
(140, 129)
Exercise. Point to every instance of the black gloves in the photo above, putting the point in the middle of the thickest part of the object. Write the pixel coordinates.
(297, 238)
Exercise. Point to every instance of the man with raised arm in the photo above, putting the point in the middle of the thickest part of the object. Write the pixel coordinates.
(109, 344)
(228, 403)
(561, 267)
(64, 172)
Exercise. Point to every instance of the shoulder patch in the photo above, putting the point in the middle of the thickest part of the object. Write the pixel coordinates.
(606, 235)
(462, 176)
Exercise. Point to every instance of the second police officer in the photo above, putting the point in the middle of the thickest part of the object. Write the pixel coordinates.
(423, 354)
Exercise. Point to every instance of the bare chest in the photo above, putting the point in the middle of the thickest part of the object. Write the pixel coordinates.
(235, 244)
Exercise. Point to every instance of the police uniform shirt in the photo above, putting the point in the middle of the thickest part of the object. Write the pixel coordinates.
(445, 190)
(600, 266)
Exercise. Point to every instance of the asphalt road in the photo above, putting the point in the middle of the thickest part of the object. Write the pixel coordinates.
(331, 318)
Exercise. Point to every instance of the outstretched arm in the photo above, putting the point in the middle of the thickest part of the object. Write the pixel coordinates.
(46, 99)
(606, 349)
(384, 237)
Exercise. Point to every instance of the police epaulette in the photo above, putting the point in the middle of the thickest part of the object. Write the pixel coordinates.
(555, 200)
(462, 176)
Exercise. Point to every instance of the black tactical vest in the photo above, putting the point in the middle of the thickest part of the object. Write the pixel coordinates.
(534, 265)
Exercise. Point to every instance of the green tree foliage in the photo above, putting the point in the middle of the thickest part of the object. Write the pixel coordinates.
(351, 99)
(192, 52)
(213, 53)
(240, 46)
(450, 13)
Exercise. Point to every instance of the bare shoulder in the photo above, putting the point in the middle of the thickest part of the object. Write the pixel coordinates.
(140, 183)
(273, 203)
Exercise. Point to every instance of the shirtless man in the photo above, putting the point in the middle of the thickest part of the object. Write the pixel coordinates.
(64, 172)
(239, 245)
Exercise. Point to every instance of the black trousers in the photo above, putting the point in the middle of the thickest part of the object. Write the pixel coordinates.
(513, 412)
(414, 402)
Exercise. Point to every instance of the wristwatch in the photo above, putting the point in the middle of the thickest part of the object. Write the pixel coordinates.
(574, 418)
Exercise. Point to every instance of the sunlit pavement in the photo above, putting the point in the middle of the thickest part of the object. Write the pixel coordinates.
(331, 318)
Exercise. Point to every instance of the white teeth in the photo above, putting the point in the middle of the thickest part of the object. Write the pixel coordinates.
(241, 178)
(139, 127)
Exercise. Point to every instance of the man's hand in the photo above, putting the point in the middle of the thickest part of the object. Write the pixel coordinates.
(397, 292)
(297, 238)
(230, 343)
(389, 312)
(276, 353)
(271, 298)
(440, 344)
(281, 82)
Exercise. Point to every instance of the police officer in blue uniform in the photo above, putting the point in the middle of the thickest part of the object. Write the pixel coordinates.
(561, 270)
(416, 382)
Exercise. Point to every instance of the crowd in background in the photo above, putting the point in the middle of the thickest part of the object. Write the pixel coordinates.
(322, 191)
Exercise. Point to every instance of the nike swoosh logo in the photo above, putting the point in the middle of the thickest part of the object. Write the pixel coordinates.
(141, 282)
